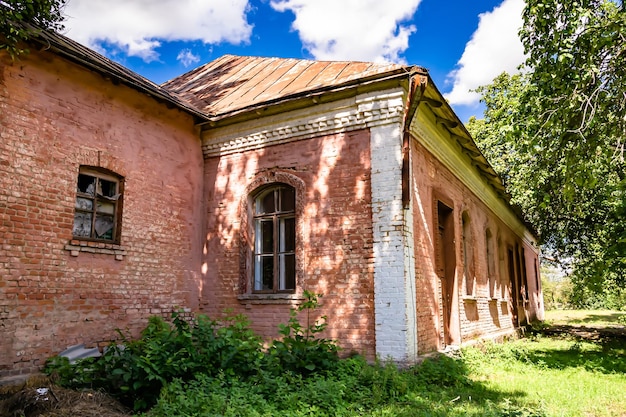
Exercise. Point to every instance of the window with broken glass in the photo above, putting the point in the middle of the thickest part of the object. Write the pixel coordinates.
(97, 208)
(275, 240)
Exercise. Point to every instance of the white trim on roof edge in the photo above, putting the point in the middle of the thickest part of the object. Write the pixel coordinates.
(447, 151)
(360, 112)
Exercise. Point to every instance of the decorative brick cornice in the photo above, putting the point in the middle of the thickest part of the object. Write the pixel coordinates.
(346, 115)
(424, 129)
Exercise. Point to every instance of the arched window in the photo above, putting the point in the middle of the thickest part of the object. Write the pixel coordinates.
(274, 240)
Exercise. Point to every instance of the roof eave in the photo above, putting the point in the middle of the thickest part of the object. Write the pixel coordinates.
(451, 123)
(324, 94)
(85, 57)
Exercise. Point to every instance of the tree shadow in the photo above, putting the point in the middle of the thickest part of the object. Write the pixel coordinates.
(606, 355)
(334, 230)
(443, 386)
(595, 318)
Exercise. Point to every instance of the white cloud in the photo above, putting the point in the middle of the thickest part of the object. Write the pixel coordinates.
(495, 47)
(186, 57)
(137, 27)
(364, 30)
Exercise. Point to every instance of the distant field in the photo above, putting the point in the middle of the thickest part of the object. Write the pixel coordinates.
(596, 318)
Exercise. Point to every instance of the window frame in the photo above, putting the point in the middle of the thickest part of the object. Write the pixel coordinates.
(281, 250)
(492, 281)
(98, 200)
(467, 252)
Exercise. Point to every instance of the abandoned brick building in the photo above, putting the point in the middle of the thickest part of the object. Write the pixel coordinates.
(239, 185)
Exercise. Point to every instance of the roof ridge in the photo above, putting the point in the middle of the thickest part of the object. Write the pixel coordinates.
(333, 61)
(233, 82)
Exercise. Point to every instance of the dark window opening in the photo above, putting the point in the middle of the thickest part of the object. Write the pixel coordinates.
(468, 255)
(275, 240)
(491, 264)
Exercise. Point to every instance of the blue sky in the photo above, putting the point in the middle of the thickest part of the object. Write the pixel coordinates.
(463, 43)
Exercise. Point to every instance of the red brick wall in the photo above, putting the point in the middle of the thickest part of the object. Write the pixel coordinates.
(478, 317)
(335, 234)
(55, 117)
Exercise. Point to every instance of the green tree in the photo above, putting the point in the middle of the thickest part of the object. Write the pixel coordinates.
(556, 134)
(21, 19)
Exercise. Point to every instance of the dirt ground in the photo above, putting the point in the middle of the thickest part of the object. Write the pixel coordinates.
(39, 397)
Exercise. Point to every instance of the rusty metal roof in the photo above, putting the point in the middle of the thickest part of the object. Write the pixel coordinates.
(232, 83)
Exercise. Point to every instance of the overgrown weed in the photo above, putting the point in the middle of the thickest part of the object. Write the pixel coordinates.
(205, 367)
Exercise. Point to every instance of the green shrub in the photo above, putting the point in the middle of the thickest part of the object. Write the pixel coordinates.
(283, 395)
(300, 350)
(442, 371)
(69, 375)
(211, 396)
(136, 370)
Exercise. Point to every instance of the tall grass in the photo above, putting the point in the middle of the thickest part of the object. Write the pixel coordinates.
(533, 377)
(559, 376)
(537, 376)
(208, 368)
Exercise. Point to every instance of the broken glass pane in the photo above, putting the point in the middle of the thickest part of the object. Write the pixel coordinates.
(288, 235)
(82, 224)
(104, 227)
(263, 272)
(106, 208)
(84, 203)
(86, 184)
(107, 188)
(268, 272)
(266, 231)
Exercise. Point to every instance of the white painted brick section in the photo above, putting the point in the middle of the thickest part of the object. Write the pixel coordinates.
(390, 292)
(410, 293)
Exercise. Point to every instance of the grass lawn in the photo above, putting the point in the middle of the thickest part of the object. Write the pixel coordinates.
(555, 376)
(596, 318)
(559, 375)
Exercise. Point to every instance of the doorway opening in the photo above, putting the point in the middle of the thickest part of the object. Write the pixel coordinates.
(513, 288)
(446, 270)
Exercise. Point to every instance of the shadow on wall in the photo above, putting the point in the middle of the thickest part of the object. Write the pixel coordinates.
(493, 311)
(471, 310)
(335, 228)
